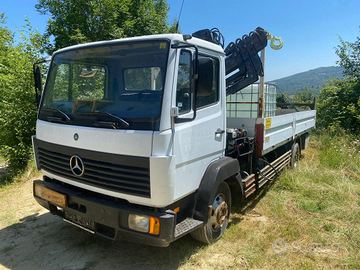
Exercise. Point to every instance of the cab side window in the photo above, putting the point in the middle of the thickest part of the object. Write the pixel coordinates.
(183, 89)
(210, 95)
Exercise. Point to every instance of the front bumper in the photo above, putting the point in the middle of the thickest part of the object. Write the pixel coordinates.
(106, 217)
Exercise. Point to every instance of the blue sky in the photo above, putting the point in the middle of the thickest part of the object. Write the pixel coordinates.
(309, 28)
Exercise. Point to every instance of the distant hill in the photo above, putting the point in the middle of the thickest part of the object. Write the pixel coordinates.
(312, 79)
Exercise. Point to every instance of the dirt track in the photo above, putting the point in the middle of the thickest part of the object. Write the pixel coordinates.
(32, 238)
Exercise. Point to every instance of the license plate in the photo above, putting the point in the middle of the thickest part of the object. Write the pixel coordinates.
(51, 196)
(83, 223)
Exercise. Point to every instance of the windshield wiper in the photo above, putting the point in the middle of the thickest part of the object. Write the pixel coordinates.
(106, 124)
(122, 121)
(60, 111)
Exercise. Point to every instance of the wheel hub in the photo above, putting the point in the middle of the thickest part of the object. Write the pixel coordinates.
(222, 213)
(219, 212)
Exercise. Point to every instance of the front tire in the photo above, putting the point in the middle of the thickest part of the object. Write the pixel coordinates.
(218, 217)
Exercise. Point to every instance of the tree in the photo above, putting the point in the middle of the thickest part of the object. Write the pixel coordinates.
(73, 22)
(339, 100)
(339, 105)
(304, 96)
(280, 98)
(17, 106)
(349, 54)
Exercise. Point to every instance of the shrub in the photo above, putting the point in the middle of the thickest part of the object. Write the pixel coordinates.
(17, 108)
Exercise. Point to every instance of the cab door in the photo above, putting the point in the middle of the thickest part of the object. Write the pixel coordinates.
(201, 138)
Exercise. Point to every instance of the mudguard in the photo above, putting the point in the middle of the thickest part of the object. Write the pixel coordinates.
(217, 171)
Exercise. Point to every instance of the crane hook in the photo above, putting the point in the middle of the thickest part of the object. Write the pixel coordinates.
(272, 41)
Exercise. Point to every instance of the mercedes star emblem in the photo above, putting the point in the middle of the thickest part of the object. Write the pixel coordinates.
(77, 165)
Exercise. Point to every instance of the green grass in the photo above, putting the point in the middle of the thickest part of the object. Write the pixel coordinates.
(314, 210)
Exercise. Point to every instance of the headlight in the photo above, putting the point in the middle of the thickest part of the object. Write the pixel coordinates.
(144, 224)
(139, 223)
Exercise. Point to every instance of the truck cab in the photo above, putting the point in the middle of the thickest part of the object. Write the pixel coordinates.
(131, 121)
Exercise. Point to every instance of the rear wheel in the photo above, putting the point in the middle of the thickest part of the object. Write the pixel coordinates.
(295, 155)
(218, 217)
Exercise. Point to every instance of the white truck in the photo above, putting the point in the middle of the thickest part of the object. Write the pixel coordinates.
(133, 139)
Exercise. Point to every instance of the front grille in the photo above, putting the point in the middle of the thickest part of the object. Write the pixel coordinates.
(118, 173)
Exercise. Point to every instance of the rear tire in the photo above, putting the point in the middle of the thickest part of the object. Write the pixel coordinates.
(218, 217)
(295, 156)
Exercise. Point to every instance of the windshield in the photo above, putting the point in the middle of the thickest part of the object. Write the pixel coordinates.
(107, 86)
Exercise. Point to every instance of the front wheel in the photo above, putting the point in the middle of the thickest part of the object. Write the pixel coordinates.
(218, 217)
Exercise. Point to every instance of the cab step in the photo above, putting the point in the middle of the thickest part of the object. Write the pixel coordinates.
(186, 226)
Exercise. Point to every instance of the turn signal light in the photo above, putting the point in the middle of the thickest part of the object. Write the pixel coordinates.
(154, 226)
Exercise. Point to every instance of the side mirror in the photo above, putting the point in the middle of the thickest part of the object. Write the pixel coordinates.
(38, 84)
(194, 73)
(38, 79)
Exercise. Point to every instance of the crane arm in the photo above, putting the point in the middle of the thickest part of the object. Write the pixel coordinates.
(242, 61)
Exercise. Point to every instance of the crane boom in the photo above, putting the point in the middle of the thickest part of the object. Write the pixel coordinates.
(242, 63)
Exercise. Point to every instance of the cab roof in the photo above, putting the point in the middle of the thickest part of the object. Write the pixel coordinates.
(173, 38)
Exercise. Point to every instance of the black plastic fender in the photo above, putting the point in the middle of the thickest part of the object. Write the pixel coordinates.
(218, 171)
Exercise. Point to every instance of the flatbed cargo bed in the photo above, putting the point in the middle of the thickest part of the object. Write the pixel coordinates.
(270, 131)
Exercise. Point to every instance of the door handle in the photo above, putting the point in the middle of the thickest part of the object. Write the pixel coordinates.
(219, 131)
